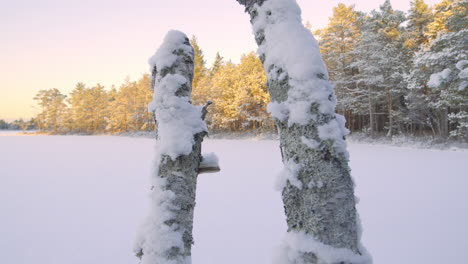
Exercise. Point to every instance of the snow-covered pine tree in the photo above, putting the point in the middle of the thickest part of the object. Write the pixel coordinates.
(316, 185)
(381, 58)
(419, 17)
(337, 42)
(166, 235)
(439, 79)
(441, 13)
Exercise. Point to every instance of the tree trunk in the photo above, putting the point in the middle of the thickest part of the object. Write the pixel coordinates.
(166, 236)
(444, 124)
(317, 188)
(371, 112)
(390, 113)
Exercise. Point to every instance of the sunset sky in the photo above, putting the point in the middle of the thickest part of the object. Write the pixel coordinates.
(57, 43)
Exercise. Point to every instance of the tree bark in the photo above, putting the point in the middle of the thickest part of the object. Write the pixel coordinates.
(390, 112)
(320, 202)
(166, 237)
(371, 112)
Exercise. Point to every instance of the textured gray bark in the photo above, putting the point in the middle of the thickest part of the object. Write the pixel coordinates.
(184, 188)
(179, 175)
(325, 205)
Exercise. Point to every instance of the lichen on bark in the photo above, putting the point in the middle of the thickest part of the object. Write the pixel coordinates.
(166, 236)
(324, 206)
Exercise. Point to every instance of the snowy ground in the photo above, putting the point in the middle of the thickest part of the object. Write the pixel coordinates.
(76, 200)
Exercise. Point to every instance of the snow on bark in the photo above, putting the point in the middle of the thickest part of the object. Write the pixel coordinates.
(166, 235)
(318, 192)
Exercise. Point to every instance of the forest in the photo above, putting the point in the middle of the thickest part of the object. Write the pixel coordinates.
(394, 73)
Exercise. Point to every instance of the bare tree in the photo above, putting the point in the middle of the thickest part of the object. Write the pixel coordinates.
(317, 189)
(166, 236)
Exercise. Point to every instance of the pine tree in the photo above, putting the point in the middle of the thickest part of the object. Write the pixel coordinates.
(380, 60)
(438, 80)
(224, 113)
(251, 96)
(77, 115)
(202, 76)
(199, 63)
(218, 62)
(441, 13)
(128, 106)
(205, 92)
(419, 17)
(53, 107)
(337, 42)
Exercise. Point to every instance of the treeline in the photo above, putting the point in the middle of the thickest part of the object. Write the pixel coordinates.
(18, 124)
(88, 110)
(238, 91)
(394, 73)
(397, 73)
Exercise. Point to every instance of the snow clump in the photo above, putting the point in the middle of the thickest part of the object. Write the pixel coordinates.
(289, 49)
(296, 244)
(178, 120)
(436, 79)
(289, 174)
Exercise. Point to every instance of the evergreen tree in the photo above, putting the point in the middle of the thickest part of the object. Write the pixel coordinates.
(380, 60)
(53, 107)
(218, 62)
(128, 106)
(419, 17)
(77, 116)
(251, 96)
(88, 109)
(438, 80)
(3, 125)
(442, 12)
(199, 62)
(96, 102)
(337, 42)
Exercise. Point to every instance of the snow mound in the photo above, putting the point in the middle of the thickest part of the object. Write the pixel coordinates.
(295, 244)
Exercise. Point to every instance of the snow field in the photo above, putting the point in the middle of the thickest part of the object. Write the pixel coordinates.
(74, 200)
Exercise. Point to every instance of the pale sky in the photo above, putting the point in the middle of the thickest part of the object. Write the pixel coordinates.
(57, 43)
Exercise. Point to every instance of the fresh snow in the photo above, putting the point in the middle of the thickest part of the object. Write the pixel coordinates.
(153, 235)
(311, 143)
(209, 160)
(289, 174)
(291, 51)
(164, 56)
(297, 243)
(437, 78)
(178, 120)
(80, 199)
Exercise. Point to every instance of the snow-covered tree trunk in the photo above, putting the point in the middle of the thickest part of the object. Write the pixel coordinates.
(166, 236)
(317, 189)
